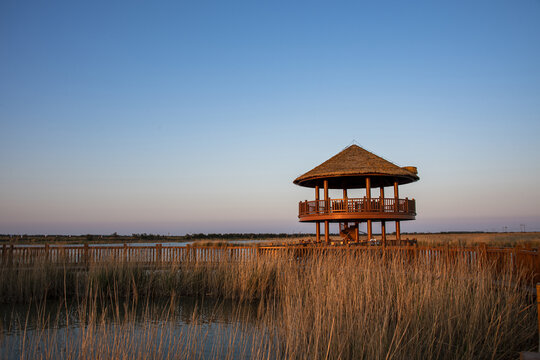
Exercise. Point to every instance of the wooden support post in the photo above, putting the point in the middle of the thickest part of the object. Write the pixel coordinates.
(368, 192)
(86, 255)
(317, 224)
(326, 198)
(345, 201)
(10, 259)
(346, 232)
(125, 252)
(396, 209)
(317, 198)
(396, 197)
(483, 254)
(158, 253)
(383, 232)
(368, 196)
(327, 233)
(381, 199)
(357, 232)
(327, 210)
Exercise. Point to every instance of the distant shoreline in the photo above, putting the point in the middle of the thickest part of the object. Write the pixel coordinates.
(431, 237)
(142, 238)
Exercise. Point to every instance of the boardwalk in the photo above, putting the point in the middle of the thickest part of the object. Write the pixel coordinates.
(158, 255)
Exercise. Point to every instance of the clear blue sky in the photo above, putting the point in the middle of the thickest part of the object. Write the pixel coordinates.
(180, 117)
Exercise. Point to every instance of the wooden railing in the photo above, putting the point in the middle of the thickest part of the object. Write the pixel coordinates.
(357, 205)
(84, 255)
(499, 259)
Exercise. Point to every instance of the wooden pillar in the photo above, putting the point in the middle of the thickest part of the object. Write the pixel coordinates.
(326, 232)
(318, 223)
(396, 207)
(368, 196)
(326, 192)
(396, 195)
(327, 210)
(357, 232)
(381, 199)
(368, 188)
(46, 252)
(10, 256)
(158, 253)
(383, 232)
(382, 209)
(4, 254)
(86, 254)
(345, 201)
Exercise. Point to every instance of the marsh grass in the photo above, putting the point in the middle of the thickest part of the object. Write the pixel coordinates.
(505, 239)
(312, 308)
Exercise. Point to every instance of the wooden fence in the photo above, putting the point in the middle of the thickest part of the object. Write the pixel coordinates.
(85, 255)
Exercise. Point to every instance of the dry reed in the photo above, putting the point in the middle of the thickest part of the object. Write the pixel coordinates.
(363, 307)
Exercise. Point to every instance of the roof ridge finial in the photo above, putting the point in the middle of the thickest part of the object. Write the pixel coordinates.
(353, 142)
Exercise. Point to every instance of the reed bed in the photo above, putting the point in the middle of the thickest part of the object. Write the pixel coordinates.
(331, 307)
(504, 239)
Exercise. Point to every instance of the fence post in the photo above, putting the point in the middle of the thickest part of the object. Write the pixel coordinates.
(10, 259)
(4, 255)
(86, 255)
(483, 254)
(46, 252)
(125, 252)
(158, 253)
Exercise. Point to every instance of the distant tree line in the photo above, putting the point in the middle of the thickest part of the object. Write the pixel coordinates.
(244, 236)
(187, 237)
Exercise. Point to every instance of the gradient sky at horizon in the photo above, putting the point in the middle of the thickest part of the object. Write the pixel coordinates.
(187, 117)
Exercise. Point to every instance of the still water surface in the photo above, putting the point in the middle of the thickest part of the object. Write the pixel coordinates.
(180, 244)
(202, 328)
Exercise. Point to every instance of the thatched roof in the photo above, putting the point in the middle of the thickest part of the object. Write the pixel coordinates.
(349, 169)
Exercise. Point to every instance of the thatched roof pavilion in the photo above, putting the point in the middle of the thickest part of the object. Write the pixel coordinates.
(357, 168)
(350, 168)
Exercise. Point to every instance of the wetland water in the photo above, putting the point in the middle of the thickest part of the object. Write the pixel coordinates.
(180, 244)
(190, 327)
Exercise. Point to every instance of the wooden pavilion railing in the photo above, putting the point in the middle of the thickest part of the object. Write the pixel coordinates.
(83, 255)
(357, 205)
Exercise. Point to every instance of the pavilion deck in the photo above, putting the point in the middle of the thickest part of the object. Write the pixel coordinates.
(357, 209)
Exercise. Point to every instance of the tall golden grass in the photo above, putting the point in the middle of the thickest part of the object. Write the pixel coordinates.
(503, 239)
(313, 308)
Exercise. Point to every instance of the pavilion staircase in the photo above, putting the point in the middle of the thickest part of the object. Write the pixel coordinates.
(348, 232)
